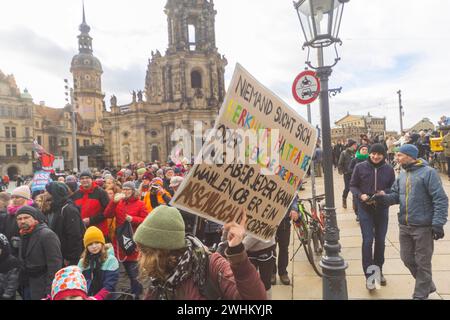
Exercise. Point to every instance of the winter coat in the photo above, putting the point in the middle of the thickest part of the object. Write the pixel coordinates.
(422, 199)
(446, 145)
(9, 282)
(344, 161)
(3, 218)
(110, 271)
(354, 162)
(132, 207)
(42, 258)
(9, 272)
(368, 178)
(69, 227)
(153, 201)
(93, 202)
(235, 275)
(11, 231)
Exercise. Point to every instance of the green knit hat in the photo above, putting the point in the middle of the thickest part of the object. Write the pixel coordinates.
(162, 229)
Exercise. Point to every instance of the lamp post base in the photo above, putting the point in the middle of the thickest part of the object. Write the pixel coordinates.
(334, 283)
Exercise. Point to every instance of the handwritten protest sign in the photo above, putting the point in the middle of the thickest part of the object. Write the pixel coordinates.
(254, 160)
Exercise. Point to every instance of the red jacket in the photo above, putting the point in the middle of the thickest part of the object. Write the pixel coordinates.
(237, 277)
(93, 202)
(132, 207)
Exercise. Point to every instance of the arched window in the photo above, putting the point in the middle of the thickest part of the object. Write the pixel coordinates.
(196, 80)
(155, 153)
(192, 37)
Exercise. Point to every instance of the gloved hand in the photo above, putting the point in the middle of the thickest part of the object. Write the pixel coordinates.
(438, 232)
(380, 199)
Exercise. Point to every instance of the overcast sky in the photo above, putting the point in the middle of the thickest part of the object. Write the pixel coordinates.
(387, 45)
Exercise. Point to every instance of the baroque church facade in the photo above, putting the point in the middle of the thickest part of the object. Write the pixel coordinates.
(184, 85)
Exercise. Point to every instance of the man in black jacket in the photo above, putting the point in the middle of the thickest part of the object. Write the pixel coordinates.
(9, 271)
(40, 251)
(66, 223)
(344, 168)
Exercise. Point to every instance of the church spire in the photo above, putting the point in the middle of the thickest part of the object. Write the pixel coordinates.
(84, 39)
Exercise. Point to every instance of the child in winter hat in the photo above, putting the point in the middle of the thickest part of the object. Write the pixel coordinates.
(98, 263)
(70, 284)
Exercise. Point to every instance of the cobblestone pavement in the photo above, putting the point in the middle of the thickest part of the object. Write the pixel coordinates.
(400, 284)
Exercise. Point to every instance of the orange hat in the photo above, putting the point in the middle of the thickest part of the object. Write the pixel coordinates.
(93, 234)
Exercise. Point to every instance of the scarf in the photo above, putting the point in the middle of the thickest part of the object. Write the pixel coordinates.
(191, 264)
(360, 156)
(12, 210)
(96, 274)
(24, 232)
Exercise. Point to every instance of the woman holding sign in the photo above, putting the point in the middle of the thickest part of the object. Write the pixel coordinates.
(177, 266)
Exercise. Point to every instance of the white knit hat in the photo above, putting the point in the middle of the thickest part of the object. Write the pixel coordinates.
(175, 181)
(23, 192)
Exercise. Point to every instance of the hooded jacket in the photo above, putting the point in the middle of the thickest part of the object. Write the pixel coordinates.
(67, 222)
(422, 199)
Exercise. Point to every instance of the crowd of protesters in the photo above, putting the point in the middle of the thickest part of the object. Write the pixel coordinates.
(368, 172)
(70, 230)
(63, 239)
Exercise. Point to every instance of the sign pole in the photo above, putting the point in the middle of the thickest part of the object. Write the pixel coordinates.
(312, 167)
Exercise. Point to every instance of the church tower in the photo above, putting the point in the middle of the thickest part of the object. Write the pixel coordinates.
(191, 74)
(87, 71)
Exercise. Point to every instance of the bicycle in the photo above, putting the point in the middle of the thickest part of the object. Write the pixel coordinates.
(310, 230)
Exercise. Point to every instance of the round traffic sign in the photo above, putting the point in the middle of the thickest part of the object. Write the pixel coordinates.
(306, 87)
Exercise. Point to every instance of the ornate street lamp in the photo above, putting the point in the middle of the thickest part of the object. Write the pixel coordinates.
(320, 21)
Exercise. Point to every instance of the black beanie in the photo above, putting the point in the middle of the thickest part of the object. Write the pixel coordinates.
(378, 148)
(350, 143)
(35, 213)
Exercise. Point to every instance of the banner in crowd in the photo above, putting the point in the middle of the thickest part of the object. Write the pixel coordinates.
(253, 161)
(40, 180)
(45, 157)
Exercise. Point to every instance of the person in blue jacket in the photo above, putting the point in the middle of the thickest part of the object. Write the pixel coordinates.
(98, 263)
(423, 214)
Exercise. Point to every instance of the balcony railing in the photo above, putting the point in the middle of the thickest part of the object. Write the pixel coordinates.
(23, 158)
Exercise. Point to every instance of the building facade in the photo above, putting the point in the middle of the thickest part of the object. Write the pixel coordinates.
(353, 126)
(185, 85)
(424, 124)
(16, 128)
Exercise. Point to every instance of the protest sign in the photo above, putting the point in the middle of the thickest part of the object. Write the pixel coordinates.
(254, 160)
(40, 179)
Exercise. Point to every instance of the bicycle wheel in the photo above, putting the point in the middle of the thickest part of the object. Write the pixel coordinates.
(315, 247)
(302, 234)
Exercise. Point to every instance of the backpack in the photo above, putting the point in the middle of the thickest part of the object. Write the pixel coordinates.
(124, 237)
(211, 288)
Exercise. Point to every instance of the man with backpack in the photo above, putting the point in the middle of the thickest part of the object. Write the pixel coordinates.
(344, 168)
(66, 223)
